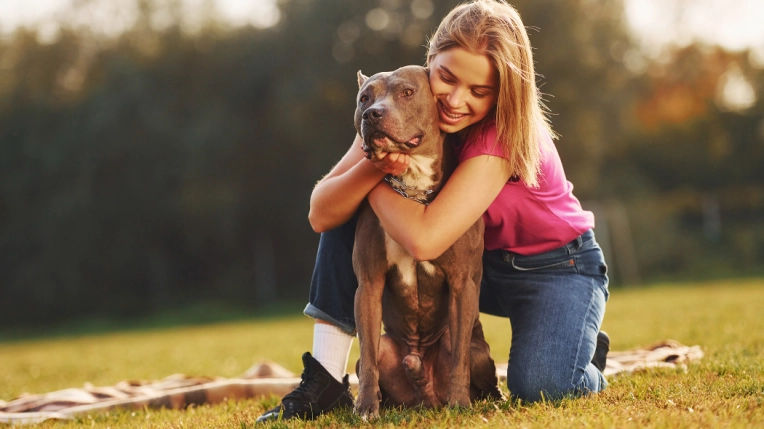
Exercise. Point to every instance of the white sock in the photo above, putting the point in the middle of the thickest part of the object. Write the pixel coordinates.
(331, 347)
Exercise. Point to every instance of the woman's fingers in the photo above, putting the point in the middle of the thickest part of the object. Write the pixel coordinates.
(399, 162)
(392, 163)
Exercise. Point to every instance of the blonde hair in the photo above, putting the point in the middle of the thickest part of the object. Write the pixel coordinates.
(494, 28)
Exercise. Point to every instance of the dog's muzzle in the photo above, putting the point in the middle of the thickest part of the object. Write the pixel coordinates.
(367, 150)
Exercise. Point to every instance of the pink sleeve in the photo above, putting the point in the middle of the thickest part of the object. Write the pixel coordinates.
(481, 143)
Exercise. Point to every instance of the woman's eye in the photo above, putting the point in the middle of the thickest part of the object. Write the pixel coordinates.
(479, 94)
(446, 79)
(364, 98)
(408, 92)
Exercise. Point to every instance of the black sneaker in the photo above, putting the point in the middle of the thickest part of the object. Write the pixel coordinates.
(600, 353)
(318, 393)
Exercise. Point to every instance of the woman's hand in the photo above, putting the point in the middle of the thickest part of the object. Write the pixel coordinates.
(394, 163)
(339, 194)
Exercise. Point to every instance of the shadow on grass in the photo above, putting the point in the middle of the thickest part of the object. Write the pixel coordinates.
(189, 315)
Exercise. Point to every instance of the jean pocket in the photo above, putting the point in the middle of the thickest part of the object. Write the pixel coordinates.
(567, 264)
(592, 262)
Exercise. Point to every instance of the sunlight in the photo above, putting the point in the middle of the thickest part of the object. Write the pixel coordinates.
(111, 18)
(735, 92)
(733, 24)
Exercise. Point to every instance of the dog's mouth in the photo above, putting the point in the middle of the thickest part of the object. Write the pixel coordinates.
(381, 142)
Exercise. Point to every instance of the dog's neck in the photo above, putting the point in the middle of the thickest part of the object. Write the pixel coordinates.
(426, 174)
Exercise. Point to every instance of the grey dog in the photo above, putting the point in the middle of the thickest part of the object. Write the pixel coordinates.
(433, 352)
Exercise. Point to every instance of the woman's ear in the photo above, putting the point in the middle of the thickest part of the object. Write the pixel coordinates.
(361, 78)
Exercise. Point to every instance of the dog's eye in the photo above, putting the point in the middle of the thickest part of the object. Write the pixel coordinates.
(408, 92)
(364, 98)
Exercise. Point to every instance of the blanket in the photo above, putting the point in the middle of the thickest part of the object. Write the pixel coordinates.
(263, 379)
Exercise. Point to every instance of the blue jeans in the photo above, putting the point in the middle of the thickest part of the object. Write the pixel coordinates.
(555, 302)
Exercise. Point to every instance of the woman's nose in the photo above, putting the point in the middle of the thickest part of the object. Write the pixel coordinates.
(455, 98)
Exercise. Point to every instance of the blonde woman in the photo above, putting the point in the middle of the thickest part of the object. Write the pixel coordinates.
(543, 269)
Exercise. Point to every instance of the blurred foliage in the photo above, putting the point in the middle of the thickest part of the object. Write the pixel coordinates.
(162, 168)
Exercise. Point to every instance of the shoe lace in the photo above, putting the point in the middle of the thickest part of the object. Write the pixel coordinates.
(306, 391)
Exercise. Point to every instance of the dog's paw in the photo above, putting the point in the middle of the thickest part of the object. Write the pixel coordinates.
(367, 405)
(495, 394)
(457, 401)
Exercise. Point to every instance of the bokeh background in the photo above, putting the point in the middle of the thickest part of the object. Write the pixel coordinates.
(157, 155)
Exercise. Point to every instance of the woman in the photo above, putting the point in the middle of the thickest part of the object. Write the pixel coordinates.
(543, 268)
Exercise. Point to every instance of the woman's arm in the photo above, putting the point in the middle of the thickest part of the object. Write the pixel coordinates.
(338, 194)
(428, 231)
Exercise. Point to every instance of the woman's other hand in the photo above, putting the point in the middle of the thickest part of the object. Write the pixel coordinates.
(394, 163)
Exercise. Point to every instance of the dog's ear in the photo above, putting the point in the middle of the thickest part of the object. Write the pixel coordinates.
(361, 78)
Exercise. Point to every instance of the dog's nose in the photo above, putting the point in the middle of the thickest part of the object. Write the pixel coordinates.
(372, 113)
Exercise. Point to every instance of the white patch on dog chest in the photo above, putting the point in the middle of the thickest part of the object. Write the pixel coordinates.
(428, 267)
(397, 256)
(420, 172)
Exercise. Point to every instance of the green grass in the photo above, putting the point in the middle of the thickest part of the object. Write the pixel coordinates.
(726, 389)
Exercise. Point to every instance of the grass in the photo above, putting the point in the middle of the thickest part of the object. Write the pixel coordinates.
(726, 389)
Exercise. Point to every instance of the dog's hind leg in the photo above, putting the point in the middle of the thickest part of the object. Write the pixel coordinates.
(420, 372)
(397, 389)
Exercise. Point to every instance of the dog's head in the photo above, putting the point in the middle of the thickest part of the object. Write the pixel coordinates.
(396, 112)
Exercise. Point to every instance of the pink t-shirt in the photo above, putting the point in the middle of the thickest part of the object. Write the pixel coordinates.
(525, 220)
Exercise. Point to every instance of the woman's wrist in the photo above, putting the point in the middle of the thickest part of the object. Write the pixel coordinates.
(374, 170)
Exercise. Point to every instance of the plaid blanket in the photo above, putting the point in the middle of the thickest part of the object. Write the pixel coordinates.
(266, 378)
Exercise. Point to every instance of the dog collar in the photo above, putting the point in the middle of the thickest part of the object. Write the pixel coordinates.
(422, 196)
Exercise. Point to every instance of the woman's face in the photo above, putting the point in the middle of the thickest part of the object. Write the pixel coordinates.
(466, 86)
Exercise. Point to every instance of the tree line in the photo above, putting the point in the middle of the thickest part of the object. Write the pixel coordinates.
(161, 168)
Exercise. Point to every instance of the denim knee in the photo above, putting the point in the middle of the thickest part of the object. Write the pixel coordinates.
(333, 286)
(533, 385)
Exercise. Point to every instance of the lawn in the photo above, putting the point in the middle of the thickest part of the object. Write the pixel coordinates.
(726, 389)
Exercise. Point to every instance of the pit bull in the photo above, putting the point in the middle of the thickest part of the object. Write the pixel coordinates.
(433, 352)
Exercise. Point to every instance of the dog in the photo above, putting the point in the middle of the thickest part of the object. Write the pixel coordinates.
(433, 352)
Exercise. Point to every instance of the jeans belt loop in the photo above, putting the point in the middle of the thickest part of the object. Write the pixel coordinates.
(575, 244)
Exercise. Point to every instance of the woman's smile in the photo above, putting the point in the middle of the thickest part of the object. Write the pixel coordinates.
(466, 86)
(447, 116)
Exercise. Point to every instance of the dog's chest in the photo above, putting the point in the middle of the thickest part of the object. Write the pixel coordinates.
(421, 176)
(405, 263)
(421, 172)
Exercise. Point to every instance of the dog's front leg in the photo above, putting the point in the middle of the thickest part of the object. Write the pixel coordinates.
(462, 311)
(368, 314)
